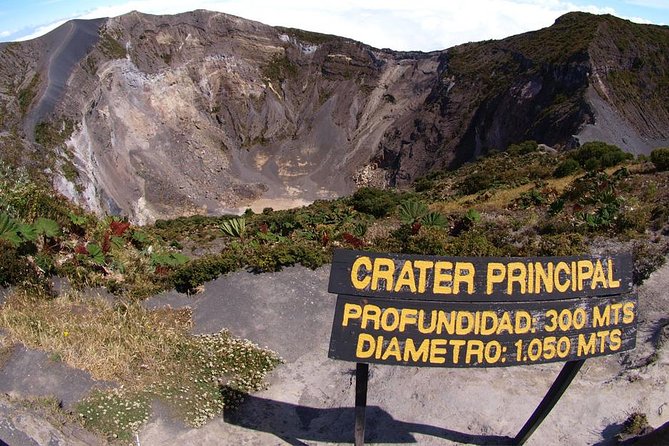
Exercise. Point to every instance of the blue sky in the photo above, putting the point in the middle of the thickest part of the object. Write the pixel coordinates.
(398, 24)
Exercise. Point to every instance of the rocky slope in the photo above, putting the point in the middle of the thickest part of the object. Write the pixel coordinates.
(160, 116)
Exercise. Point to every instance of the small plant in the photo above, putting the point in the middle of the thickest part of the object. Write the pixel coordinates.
(168, 259)
(47, 227)
(411, 211)
(9, 230)
(235, 227)
(118, 228)
(95, 253)
(140, 239)
(78, 220)
(473, 216)
(434, 220)
(531, 198)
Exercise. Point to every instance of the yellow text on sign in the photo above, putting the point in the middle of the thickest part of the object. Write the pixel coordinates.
(390, 319)
(459, 277)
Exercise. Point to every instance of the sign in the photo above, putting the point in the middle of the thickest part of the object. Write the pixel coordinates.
(438, 334)
(482, 279)
(480, 312)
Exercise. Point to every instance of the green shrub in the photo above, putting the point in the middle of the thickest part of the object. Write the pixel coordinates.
(476, 182)
(423, 184)
(566, 167)
(523, 148)
(373, 201)
(566, 244)
(429, 241)
(197, 272)
(14, 268)
(597, 155)
(660, 157)
(473, 243)
(288, 253)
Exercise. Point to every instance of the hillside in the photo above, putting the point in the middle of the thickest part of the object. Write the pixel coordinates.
(206, 113)
(92, 303)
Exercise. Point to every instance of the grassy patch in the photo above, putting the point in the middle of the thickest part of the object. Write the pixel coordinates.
(115, 414)
(150, 354)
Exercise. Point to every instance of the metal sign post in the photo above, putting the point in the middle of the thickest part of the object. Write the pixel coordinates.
(361, 377)
(553, 395)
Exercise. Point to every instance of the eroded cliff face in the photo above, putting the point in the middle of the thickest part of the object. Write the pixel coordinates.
(210, 113)
(162, 116)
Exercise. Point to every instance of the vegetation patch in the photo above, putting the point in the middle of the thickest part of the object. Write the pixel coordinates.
(50, 134)
(111, 47)
(150, 354)
(308, 36)
(660, 158)
(26, 95)
(504, 204)
(279, 68)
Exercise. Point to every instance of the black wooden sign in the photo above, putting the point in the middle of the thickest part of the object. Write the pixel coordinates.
(478, 279)
(479, 312)
(441, 334)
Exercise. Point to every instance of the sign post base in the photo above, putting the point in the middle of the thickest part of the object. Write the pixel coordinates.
(567, 374)
(361, 377)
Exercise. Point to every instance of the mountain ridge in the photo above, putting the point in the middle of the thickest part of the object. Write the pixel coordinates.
(204, 112)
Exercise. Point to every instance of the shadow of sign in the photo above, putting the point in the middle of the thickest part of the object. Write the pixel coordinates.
(296, 424)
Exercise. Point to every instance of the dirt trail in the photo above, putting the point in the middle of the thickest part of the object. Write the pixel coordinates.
(74, 38)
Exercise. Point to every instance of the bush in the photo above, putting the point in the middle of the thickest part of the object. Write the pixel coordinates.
(373, 201)
(475, 182)
(597, 155)
(523, 148)
(423, 184)
(429, 241)
(202, 270)
(288, 253)
(14, 269)
(660, 157)
(566, 167)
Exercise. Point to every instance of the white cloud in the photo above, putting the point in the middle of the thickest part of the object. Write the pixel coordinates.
(417, 25)
(659, 4)
(40, 31)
